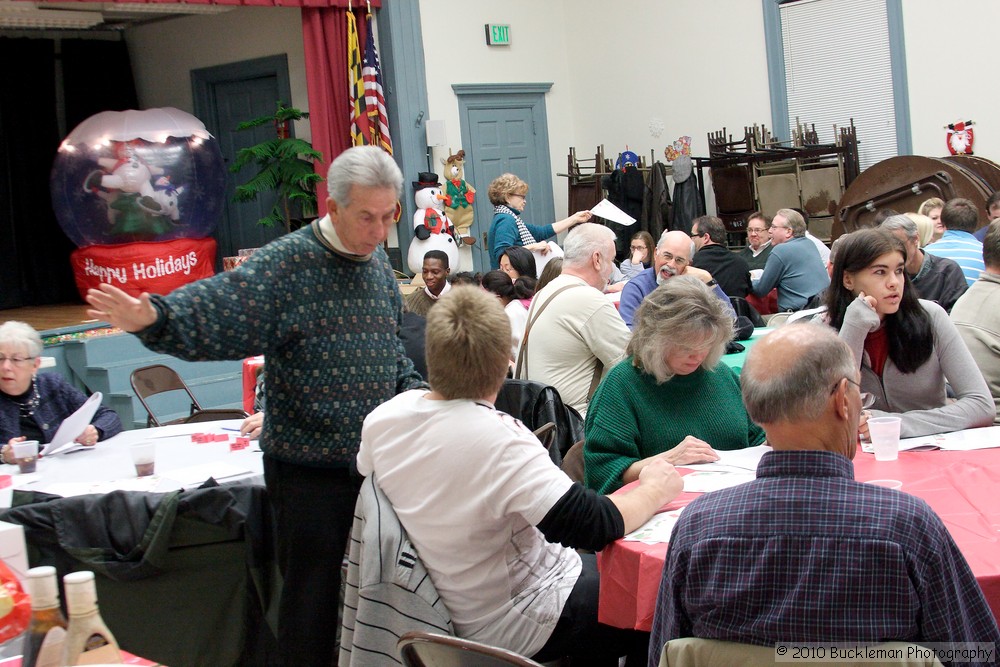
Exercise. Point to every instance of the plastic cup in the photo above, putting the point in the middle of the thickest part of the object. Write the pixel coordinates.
(884, 432)
(26, 455)
(887, 483)
(144, 458)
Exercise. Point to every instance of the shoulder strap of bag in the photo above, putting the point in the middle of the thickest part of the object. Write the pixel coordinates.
(533, 314)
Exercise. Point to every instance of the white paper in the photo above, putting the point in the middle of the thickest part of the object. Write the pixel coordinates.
(541, 260)
(608, 211)
(196, 474)
(967, 440)
(703, 481)
(735, 461)
(657, 529)
(73, 426)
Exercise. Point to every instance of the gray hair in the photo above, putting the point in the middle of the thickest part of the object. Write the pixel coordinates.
(364, 166)
(663, 241)
(903, 222)
(797, 389)
(583, 241)
(680, 311)
(795, 221)
(19, 334)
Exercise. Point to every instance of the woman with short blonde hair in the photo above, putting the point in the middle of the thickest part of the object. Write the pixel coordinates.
(509, 194)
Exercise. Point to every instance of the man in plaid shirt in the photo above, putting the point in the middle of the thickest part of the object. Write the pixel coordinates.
(804, 553)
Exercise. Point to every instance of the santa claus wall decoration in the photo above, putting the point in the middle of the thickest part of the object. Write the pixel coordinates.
(960, 138)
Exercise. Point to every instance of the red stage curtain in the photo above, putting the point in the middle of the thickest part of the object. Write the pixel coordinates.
(324, 31)
(358, 5)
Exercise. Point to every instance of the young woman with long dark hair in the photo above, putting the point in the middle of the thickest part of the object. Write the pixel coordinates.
(906, 347)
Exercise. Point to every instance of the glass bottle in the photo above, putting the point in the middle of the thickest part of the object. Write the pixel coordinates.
(88, 639)
(46, 636)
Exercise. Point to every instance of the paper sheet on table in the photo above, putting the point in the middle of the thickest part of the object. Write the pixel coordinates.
(738, 460)
(969, 439)
(608, 211)
(657, 529)
(73, 426)
(69, 489)
(196, 474)
(703, 481)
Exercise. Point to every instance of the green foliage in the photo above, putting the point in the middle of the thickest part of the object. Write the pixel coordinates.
(284, 166)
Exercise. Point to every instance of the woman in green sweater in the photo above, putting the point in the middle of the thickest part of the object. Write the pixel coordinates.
(671, 398)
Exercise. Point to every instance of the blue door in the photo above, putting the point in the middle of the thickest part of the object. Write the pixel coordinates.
(504, 130)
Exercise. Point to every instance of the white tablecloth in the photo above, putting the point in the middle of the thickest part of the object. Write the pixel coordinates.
(180, 463)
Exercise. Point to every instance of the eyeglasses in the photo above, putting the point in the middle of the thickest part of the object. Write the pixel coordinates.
(867, 398)
(666, 256)
(754, 230)
(16, 361)
(780, 227)
(633, 248)
(693, 234)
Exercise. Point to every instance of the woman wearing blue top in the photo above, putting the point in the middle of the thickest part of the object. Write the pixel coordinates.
(508, 194)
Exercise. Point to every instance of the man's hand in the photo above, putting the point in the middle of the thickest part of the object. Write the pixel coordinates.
(252, 426)
(701, 274)
(120, 309)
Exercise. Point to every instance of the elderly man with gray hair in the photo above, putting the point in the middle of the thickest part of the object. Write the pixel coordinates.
(573, 332)
(805, 553)
(315, 302)
(936, 278)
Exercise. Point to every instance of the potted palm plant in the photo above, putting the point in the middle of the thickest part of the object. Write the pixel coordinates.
(284, 165)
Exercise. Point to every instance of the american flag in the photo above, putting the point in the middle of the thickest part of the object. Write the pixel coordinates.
(359, 118)
(378, 122)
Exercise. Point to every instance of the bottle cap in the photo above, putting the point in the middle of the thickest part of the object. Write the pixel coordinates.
(42, 587)
(81, 593)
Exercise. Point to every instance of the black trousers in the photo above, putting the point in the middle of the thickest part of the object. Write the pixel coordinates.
(579, 635)
(314, 511)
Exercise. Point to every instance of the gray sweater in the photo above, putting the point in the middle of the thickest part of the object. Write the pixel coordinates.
(920, 397)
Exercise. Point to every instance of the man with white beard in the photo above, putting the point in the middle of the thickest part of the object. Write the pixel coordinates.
(673, 258)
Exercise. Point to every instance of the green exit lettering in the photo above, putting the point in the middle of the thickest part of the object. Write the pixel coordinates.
(497, 34)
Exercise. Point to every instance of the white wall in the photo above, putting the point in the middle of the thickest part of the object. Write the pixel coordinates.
(455, 51)
(164, 53)
(950, 56)
(695, 66)
(614, 70)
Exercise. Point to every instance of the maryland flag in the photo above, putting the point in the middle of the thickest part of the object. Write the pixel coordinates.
(378, 122)
(360, 132)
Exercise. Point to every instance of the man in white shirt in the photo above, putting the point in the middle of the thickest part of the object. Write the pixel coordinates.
(487, 509)
(574, 334)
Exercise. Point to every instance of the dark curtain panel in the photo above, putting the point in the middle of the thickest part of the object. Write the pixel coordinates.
(34, 252)
(90, 89)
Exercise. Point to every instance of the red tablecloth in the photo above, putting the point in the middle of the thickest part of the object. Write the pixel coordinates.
(251, 366)
(962, 487)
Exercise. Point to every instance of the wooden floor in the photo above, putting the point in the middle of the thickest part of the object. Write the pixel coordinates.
(45, 318)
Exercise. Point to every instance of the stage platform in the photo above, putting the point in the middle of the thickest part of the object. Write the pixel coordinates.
(55, 319)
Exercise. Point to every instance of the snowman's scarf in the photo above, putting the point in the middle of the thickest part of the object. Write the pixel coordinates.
(526, 237)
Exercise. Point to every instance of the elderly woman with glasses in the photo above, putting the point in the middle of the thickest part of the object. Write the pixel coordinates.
(905, 347)
(672, 398)
(508, 194)
(33, 406)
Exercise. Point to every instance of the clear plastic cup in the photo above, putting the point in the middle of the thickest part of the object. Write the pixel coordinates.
(884, 433)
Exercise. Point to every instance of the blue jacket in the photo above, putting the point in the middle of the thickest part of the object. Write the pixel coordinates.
(637, 288)
(59, 399)
(503, 234)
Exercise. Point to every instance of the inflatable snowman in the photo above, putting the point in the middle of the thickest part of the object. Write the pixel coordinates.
(432, 230)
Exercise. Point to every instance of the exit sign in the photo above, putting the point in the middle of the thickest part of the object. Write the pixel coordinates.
(497, 35)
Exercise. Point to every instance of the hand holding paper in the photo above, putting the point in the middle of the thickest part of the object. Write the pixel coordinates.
(73, 426)
(609, 211)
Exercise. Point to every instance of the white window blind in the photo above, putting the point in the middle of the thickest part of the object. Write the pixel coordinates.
(838, 67)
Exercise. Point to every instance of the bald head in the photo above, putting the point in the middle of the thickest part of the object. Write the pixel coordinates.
(791, 383)
(673, 254)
